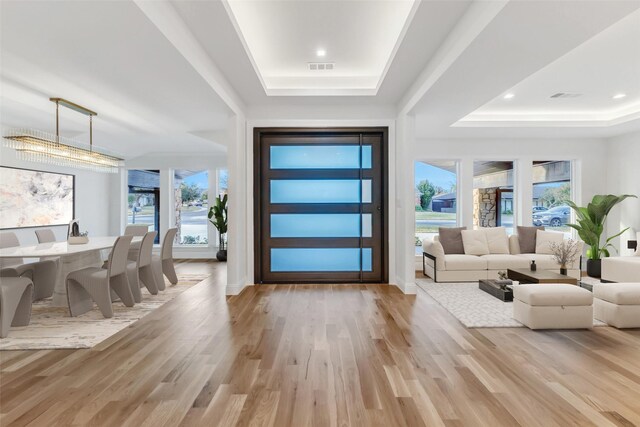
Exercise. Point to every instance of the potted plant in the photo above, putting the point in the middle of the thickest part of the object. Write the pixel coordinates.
(590, 226)
(218, 217)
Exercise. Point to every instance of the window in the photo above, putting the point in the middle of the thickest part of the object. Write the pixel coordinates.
(223, 181)
(493, 196)
(435, 198)
(143, 205)
(551, 191)
(191, 195)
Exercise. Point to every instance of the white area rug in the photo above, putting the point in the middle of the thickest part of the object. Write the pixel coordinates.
(53, 328)
(471, 306)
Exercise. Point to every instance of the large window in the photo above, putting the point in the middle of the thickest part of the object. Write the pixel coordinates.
(191, 195)
(551, 191)
(144, 199)
(493, 196)
(435, 198)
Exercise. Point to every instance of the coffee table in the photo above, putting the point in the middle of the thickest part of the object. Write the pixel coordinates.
(525, 275)
(492, 288)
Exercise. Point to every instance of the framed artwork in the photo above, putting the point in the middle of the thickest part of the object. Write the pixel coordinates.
(31, 198)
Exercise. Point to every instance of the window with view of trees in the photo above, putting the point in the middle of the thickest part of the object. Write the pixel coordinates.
(435, 198)
(191, 197)
(551, 191)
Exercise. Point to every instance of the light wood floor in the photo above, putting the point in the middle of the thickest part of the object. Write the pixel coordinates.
(324, 355)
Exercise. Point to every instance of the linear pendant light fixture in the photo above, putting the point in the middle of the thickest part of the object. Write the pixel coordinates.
(43, 147)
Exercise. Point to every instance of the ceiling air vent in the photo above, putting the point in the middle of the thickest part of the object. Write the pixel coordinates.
(321, 66)
(565, 95)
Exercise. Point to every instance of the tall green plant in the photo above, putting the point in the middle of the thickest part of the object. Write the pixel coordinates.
(591, 221)
(219, 214)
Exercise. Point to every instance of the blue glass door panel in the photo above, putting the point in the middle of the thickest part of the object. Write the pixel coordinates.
(320, 259)
(319, 157)
(315, 225)
(315, 191)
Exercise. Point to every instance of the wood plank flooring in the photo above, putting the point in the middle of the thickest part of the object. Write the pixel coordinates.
(323, 355)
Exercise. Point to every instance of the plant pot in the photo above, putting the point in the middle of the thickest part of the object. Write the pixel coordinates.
(221, 255)
(563, 271)
(594, 267)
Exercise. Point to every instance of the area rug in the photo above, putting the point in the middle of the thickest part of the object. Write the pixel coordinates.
(53, 328)
(471, 306)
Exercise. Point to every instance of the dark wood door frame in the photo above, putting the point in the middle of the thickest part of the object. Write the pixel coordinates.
(330, 133)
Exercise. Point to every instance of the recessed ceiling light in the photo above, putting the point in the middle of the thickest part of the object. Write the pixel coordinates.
(321, 52)
(508, 96)
(619, 95)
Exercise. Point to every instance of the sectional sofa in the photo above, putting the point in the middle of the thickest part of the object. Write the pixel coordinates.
(467, 267)
(622, 269)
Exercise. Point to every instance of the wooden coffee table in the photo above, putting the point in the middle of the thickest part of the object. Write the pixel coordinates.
(525, 275)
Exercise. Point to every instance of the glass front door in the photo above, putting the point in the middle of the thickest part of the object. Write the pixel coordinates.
(320, 205)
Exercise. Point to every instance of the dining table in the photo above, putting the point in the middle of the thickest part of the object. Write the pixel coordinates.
(72, 257)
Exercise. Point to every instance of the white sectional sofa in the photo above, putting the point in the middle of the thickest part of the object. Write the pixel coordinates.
(443, 267)
(622, 269)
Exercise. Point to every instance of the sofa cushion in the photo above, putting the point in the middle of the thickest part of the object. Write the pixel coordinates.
(543, 261)
(504, 262)
(527, 239)
(497, 240)
(618, 293)
(451, 240)
(544, 240)
(552, 294)
(464, 262)
(475, 242)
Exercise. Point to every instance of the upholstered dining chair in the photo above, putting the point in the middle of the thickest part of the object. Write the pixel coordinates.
(163, 263)
(45, 235)
(43, 273)
(95, 284)
(15, 302)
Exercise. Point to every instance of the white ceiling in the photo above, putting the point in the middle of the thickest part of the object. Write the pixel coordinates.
(602, 67)
(283, 37)
(108, 57)
(160, 73)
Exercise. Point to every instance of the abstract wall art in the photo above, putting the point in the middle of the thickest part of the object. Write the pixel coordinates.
(30, 198)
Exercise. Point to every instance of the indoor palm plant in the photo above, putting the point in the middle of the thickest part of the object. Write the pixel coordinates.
(591, 220)
(218, 217)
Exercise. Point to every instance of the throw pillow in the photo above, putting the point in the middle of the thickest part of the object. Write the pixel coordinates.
(475, 242)
(497, 240)
(451, 240)
(527, 239)
(544, 240)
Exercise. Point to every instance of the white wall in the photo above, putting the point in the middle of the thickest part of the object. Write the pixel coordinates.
(92, 204)
(623, 177)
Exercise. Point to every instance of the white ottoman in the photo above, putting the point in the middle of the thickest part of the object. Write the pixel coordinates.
(553, 306)
(617, 304)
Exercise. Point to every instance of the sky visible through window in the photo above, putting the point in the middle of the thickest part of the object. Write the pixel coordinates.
(438, 177)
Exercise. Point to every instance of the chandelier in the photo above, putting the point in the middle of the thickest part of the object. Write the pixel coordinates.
(43, 147)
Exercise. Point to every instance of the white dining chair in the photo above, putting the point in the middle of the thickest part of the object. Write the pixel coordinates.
(139, 271)
(163, 263)
(95, 284)
(45, 235)
(42, 273)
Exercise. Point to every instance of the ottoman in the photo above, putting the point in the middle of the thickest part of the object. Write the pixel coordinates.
(617, 304)
(553, 306)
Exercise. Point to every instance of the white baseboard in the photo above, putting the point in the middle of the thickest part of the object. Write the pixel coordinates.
(406, 288)
(235, 289)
